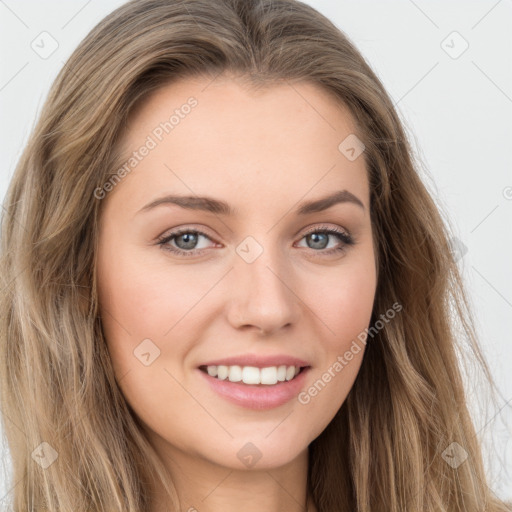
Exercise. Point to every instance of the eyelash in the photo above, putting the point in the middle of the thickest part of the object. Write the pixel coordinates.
(346, 239)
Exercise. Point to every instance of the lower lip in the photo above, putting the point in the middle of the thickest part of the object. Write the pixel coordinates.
(257, 397)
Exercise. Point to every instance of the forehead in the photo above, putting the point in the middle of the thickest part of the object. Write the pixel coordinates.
(277, 141)
(242, 105)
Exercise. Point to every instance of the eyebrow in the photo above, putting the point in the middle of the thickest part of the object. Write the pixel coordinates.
(219, 207)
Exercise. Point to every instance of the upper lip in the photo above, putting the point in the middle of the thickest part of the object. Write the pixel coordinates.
(258, 361)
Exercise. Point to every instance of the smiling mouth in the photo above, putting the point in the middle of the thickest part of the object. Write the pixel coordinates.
(254, 376)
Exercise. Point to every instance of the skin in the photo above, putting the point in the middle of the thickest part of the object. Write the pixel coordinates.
(264, 152)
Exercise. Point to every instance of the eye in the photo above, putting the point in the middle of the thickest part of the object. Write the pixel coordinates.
(319, 238)
(185, 240)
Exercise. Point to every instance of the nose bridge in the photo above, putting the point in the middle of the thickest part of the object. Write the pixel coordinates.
(263, 295)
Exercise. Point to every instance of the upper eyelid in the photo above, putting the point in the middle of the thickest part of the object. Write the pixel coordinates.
(202, 231)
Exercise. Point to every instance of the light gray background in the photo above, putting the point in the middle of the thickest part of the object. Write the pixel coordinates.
(457, 109)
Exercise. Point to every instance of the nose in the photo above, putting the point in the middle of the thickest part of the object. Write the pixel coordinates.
(262, 294)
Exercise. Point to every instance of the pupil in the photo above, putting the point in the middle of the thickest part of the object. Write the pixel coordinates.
(315, 236)
(190, 244)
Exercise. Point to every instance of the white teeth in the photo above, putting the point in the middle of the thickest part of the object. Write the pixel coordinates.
(235, 373)
(269, 375)
(222, 372)
(281, 373)
(251, 375)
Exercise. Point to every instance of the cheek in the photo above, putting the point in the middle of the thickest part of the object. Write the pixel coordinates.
(145, 299)
(342, 299)
(348, 307)
(140, 303)
(343, 305)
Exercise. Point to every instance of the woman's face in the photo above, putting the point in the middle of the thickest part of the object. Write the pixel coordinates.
(254, 289)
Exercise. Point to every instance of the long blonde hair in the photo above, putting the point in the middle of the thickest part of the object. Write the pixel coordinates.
(383, 450)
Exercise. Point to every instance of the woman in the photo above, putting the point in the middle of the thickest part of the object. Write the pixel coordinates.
(225, 284)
